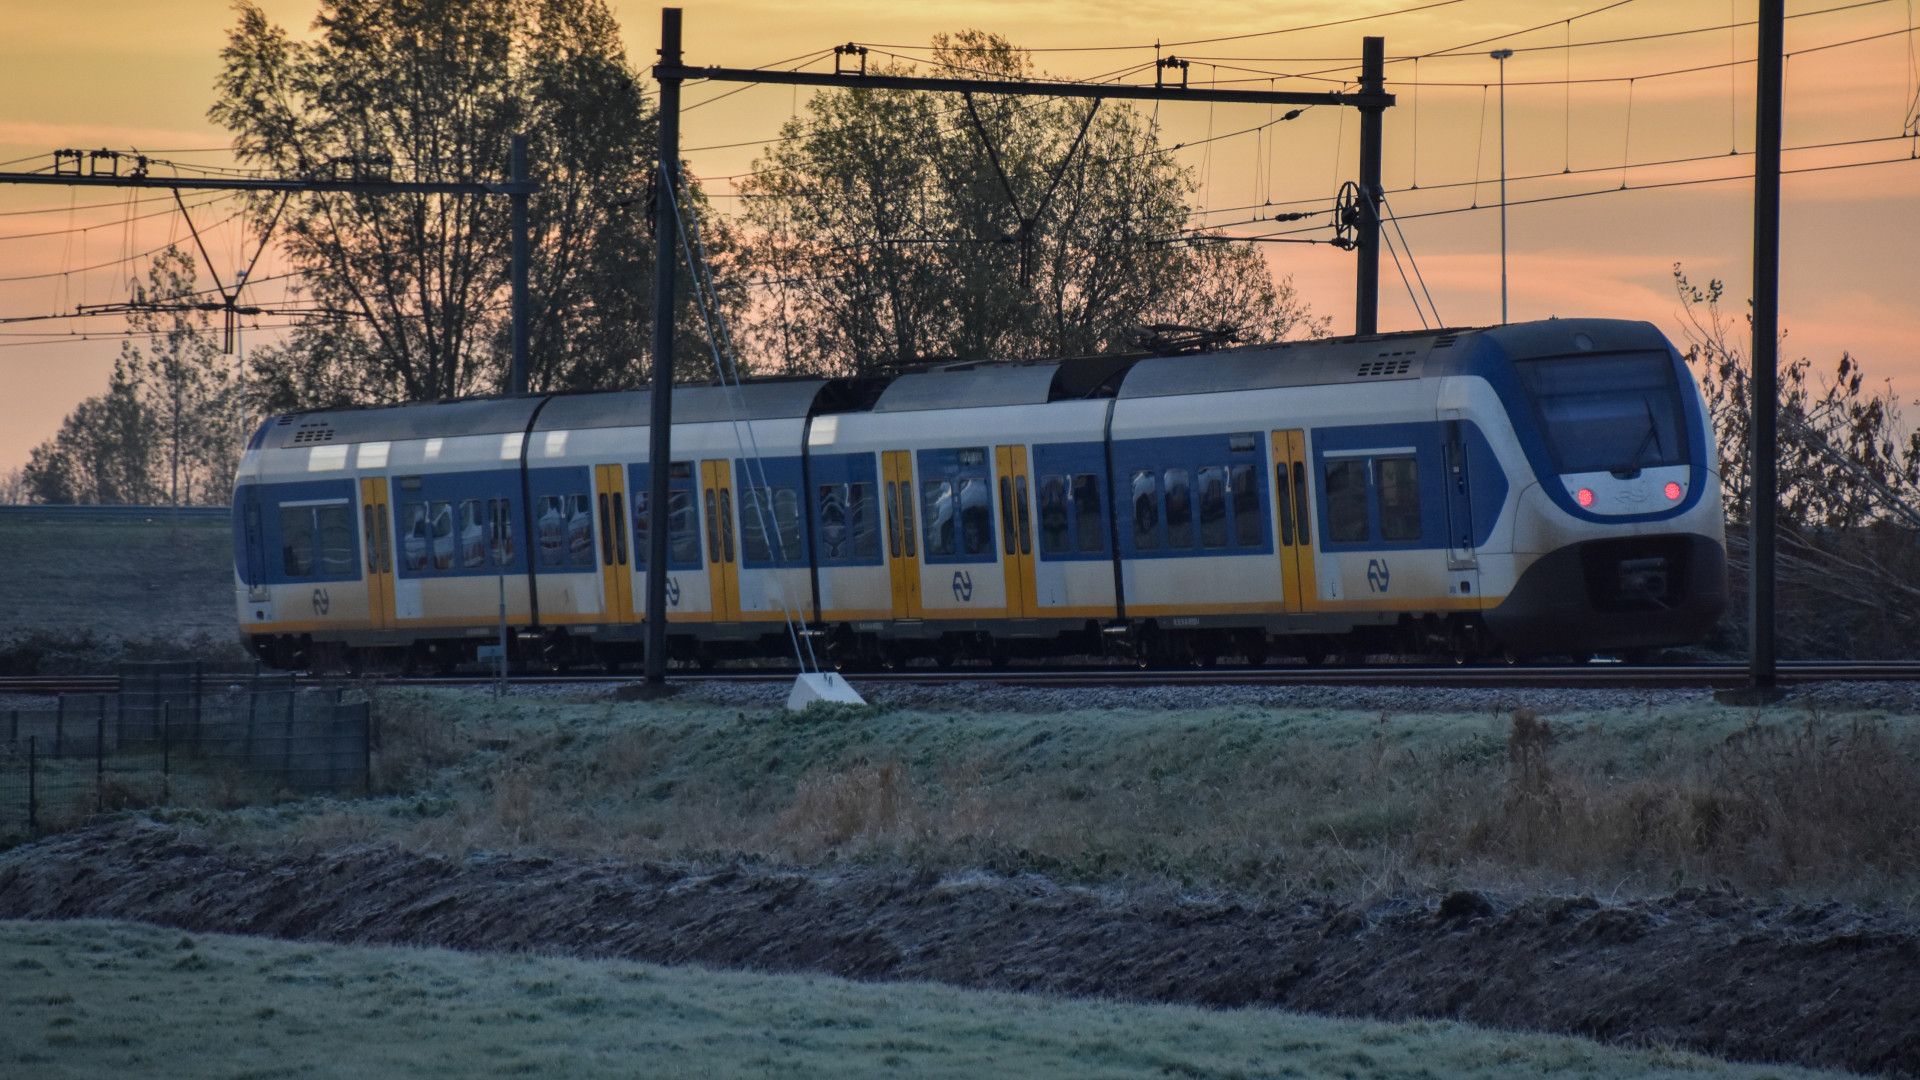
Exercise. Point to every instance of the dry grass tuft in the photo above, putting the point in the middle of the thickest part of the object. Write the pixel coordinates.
(858, 806)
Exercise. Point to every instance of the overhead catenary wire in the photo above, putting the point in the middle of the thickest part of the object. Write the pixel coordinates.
(1656, 186)
(1410, 10)
(721, 346)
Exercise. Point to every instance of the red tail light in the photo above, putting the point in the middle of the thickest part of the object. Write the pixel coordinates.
(1585, 496)
(1673, 491)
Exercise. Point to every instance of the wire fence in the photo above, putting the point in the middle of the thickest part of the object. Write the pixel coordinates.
(176, 735)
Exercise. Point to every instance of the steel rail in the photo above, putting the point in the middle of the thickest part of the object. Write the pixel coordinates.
(1491, 676)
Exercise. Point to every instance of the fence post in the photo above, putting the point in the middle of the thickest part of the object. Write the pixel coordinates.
(100, 759)
(33, 788)
(13, 725)
(120, 719)
(366, 748)
(166, 751)
(59, 723)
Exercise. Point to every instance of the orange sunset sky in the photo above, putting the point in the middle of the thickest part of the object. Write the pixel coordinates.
(139, 73)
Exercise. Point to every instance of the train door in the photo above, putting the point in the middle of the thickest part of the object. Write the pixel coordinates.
(376, 525)
(1463, 561)
(716, 484)
(616, 575)
(1016, 531)
(1293, 511)
(903, 553)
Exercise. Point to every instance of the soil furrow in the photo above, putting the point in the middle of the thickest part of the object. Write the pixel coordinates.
(1825, 984)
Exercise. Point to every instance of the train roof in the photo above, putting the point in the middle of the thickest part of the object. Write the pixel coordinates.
(1313, 362)
(759, 399)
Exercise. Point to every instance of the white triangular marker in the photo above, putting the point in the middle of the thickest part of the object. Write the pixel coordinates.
(821, 686)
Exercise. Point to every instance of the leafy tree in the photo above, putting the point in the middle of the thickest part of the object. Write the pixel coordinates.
(418, 284)
(169, 427)
(890, 229)
(102, 453)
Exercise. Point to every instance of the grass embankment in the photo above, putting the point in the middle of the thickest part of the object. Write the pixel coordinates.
(1648, 799)
(79, 595)
(88, 999)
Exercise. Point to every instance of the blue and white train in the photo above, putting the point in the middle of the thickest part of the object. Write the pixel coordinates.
(1538, 488)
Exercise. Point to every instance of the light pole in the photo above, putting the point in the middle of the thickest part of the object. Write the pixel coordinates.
(1501, 55)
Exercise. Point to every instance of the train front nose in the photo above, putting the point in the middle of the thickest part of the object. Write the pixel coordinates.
(1661, 583)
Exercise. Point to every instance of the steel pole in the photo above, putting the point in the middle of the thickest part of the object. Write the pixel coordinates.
(517, 165)
(1766, 343)
(1501, 55)
(660, 433)
(1373, 76)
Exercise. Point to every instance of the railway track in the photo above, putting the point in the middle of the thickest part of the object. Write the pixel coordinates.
(1573, 676)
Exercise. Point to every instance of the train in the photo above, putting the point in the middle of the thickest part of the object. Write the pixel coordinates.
(1533, 489)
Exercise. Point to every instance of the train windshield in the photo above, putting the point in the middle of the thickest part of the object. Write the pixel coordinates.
(1617, 413)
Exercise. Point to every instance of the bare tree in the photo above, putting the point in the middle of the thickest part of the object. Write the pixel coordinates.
(1848, 528)
(416, 285)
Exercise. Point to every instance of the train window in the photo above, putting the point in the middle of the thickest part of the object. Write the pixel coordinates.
(1213, 507)
(1179, 509)
(713, 529)
(579, 511)
(906, 515)
(606, 531)
(937, 510)
(1248, 531)
(862, 525)
(296, 540)
(473, 534)
(1006, 513)
(1053, 516)
(893, 520)
(726, 524)
(1398, 480)
(1283, 503)
(415, 535)
(372, 539)
(756, 521)
(1347, 500)
(549, 531)
(500, 533)
(1300, 514)
(386, 543)
(642, 524)
(832, 509)
(786, 522)
(1021, 504)
(1087, 523)
(1146, 511)
(683, 531)
(333, 535)
(444, 540)
(1619, 412)
(976, 516)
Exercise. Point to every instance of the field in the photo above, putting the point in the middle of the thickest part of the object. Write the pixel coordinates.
(1663, 872)
(1168, 880)
(89, 999)
(77, 595)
